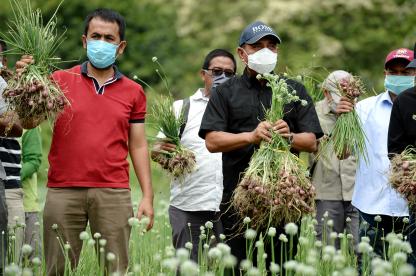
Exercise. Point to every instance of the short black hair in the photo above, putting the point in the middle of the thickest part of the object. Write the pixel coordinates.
(3, 46)
(402, 61)
(107, 15)
(218, 53)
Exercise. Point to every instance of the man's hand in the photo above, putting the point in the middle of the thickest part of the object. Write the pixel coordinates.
(160, 147)
(345, 105)
(262, 132)
(24, 61)
(282, 128)
(163, 145)
(146, 209)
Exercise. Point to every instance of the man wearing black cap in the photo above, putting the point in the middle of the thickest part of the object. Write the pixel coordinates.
(234, 124)
(402, 134)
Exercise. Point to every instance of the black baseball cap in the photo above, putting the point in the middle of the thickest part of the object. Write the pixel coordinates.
(256, 31)
(412, 64)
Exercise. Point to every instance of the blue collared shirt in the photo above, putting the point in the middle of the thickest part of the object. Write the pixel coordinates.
(373, 193)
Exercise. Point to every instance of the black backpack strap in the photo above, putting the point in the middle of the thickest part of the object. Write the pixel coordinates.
(185, 111)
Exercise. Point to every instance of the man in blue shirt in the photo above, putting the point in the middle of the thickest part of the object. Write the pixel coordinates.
(379, 205)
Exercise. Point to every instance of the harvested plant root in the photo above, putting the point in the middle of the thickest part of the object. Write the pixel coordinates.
(403, 175)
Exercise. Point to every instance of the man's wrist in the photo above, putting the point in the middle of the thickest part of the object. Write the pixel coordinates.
(148, 197)
(290, 139)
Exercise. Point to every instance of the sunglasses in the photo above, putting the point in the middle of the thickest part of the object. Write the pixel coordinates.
(218, 72)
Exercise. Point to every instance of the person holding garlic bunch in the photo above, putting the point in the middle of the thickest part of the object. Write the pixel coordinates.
(88, 178)
(379, 205)
(195, 198)
(234, 123)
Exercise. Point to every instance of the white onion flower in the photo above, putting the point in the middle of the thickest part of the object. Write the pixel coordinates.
(188, 245)
(84, 236)
(246, 265)
(209, 225)
(111, 256)
(102, 242)
(290, 265)
(182, 254)
(291, 229)
(26, 249)
(283, 238)
(189, 267)
(271, 232)
(214, 253)
(170, 264)
(250, 234)
(229, 261)
(274, 268)
(253, 271)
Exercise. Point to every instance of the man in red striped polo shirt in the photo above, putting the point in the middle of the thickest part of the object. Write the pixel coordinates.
(88, 177)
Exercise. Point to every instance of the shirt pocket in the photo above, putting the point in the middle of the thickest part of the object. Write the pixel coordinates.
(243, 119)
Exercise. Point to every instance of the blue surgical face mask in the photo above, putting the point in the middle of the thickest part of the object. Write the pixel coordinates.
(217, 80)
(101, 54)
(398, 84)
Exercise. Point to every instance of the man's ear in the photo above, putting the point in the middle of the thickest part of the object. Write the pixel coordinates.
(242, 55)
(121, 47)
(202, 74)
(84, 41)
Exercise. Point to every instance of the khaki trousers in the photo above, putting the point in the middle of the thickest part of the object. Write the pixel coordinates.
(32, 234)
(107, 211)
(14, 201)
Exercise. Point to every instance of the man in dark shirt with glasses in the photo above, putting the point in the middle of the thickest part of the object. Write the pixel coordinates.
(195, 199)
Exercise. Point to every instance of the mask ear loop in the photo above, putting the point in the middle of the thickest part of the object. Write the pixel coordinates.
(242, 60)
(118, 45)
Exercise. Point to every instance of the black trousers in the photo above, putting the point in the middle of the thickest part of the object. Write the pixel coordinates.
(182, 233)
(376, 231)
(231, 223)
(412, 236)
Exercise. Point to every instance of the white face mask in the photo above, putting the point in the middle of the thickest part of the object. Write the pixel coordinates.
(263, 61)
(334, 102)
(335, 97)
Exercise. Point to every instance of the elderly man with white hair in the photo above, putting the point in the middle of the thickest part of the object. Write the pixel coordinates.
(333, 178)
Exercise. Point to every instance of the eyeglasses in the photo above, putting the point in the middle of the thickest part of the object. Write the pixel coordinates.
(218, 72)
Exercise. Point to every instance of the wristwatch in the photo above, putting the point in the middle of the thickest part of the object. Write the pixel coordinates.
(290, 139)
